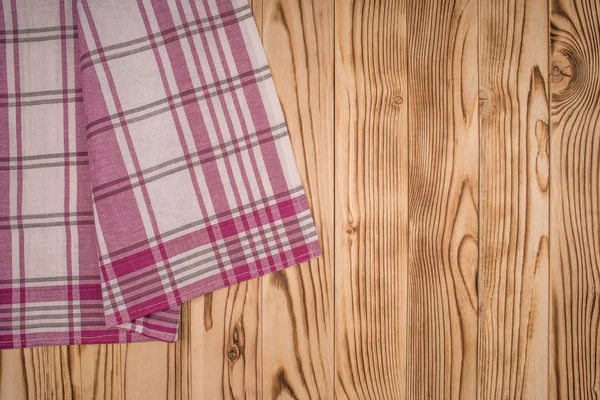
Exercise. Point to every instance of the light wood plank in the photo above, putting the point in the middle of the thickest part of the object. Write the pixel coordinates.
(443, 199)
(514, 268)
(575, 199)
(225, 343)
(42, 372)
(100, 367)
(13, 378)
(298, 302)
(371, 199)
(225, 332)
(137, 380)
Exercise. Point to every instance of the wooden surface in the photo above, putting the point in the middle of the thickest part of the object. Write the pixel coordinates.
(575, 199)
(451, 153)
(371, 199)
(514, 200)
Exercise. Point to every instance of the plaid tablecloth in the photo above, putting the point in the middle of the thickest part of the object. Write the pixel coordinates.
(144, 161)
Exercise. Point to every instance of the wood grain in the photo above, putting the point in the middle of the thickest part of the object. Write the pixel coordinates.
(443, 199)
(225, 343)
(89, 372)
(514, 225)
(298, 302)
(371, 199)
(575, 199)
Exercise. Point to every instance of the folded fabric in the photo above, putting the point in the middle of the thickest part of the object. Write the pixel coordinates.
(144, 161)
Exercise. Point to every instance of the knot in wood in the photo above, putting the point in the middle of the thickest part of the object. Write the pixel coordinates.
(233, 353)
(563, 72)
(486, 102)
(350, 229)
(397, 100)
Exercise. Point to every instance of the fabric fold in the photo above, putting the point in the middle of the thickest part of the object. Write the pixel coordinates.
(144, 161)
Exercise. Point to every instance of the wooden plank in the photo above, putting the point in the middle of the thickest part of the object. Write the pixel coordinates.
(371, 199)
(13, 378)
(443, 199)
(225, 344)
(575, 199)
(146, 371)
(43, 372)
(101, 371)
(225, 335)
(297, 303)
(180, 356)
(514, 213)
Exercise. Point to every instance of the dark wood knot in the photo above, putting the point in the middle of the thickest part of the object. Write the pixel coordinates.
(233, 353)
(564, 70)
(486, 102)
(397, 100)
(561, 72)
(350, 229)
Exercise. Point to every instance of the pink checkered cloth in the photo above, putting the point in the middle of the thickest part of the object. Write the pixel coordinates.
(144, 161)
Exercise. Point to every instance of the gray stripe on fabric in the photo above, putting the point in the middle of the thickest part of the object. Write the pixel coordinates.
(57, 92)
(78, 278)
(47, 316)
(44, 165)
(49, 215)
(41, 102)
(44, 156)
(40, 38)
(27, 326)
(47, 224)
(75, 307)
(38, 30)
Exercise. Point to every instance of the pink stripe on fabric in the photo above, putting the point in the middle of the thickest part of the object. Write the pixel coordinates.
(18, 127)
(67, 172)
(5, 234)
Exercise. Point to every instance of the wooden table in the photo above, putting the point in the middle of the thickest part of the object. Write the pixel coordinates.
(451, 153)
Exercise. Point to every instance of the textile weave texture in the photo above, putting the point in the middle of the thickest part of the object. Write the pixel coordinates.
(144, 161)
